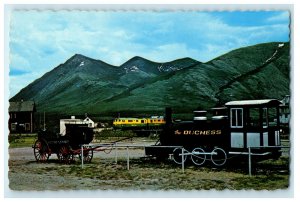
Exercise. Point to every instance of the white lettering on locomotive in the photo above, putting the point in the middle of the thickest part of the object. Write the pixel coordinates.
(198, 132)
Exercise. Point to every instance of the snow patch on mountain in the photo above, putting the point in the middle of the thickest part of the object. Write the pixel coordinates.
(132, 69)
(168, 68)
(81, 64)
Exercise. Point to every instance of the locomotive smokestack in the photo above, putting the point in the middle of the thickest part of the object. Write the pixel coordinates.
(168, 117)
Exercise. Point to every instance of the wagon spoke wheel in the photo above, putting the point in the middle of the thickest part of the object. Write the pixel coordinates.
(41, 151)
(177, 157)
(87, 155)
(198, 157)
(218, 157)
(65, 155)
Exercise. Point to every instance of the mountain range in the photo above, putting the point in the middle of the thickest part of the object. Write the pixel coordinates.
(140, 86)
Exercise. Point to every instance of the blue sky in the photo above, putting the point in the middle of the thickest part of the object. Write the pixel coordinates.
(41, 40)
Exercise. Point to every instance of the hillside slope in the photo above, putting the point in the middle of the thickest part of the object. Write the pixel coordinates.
(254, 72)
(84, 85)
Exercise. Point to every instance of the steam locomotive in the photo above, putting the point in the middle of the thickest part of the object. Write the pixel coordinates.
(227, 131)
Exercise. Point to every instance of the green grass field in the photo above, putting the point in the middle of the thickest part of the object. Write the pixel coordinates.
(21, 140)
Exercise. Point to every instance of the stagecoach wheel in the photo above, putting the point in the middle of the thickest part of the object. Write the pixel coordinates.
(218, 156)
(65, 154)
(177, 157)
(87, 155)
(198, 157)
(41, 151)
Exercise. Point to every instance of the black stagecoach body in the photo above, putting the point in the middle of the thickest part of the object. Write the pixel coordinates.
(64, 146)
(228, 131)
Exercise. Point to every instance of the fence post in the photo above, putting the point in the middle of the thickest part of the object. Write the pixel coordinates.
(81, 156)
(249, 160)
(116, 154)
(182, 159)
(127, 158)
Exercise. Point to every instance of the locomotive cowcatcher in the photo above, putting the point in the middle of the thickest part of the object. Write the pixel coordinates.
(64, 146)
(228, 131)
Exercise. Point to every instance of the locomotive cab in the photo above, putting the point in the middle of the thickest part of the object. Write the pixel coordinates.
(254, 124)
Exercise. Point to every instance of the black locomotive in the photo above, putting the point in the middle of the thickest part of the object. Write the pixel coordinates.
(228, 131)
(64, 146)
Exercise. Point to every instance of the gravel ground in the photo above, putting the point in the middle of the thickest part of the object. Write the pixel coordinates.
(25, 173)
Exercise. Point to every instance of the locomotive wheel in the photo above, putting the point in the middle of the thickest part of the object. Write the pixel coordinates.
(219, 158)
(198, 158)
(87, 155)
(177, 158)
(41, 151)
(65, 154)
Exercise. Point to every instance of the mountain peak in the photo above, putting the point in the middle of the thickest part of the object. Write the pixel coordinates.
(135, 59)
(78, 60)
(80, 57)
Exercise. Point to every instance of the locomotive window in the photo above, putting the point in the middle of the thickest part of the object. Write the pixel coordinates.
(265, 117)
(236, 117)
(253, 119)
(129, 120)
(272, 116)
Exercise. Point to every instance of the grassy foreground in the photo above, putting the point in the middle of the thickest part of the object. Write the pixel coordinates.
(152, 175)
(147, 174)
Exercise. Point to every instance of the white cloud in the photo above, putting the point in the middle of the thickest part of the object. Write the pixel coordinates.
(42, 40)
(16, 83)
(18, 62)
(281, 17)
